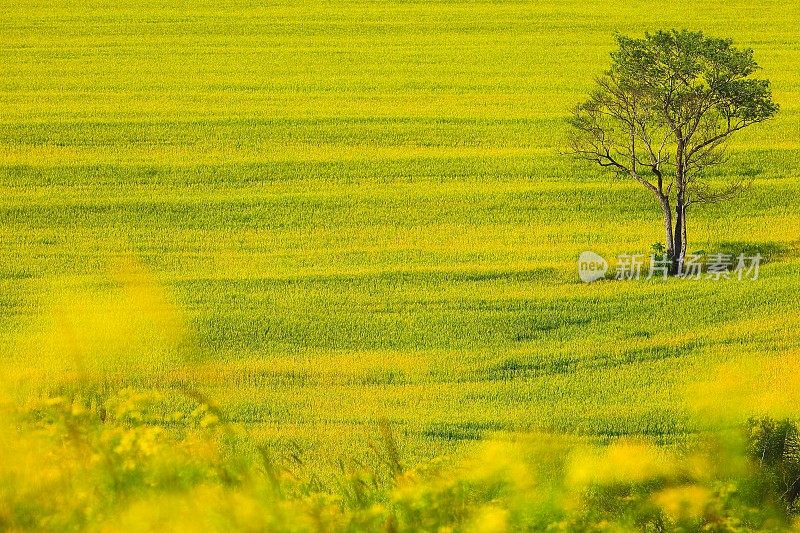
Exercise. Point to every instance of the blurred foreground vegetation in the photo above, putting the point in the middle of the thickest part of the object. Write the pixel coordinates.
(120, 463)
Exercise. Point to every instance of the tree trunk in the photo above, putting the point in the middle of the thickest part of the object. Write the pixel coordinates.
(667, 209)
(679, 246)
(684, 239)
(679, 235)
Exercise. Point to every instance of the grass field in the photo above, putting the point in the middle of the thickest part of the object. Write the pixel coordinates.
(346, 212)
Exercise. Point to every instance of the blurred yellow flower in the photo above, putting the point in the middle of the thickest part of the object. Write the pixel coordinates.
(688, 501)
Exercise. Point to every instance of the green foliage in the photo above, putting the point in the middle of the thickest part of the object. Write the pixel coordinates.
(658, 251)
(775, 446)
(689, 73)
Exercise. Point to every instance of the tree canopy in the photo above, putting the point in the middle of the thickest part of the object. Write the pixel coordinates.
(663, 112)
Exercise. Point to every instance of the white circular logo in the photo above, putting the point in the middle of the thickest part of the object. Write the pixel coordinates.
(591, 267)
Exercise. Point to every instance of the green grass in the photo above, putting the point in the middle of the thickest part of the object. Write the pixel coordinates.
(361, 211)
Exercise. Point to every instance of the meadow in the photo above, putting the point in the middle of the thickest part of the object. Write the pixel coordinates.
(336, 218)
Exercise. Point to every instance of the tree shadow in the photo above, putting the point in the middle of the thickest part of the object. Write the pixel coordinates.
(769, 251)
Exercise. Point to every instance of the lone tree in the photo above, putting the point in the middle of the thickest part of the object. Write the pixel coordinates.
(662, 115)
